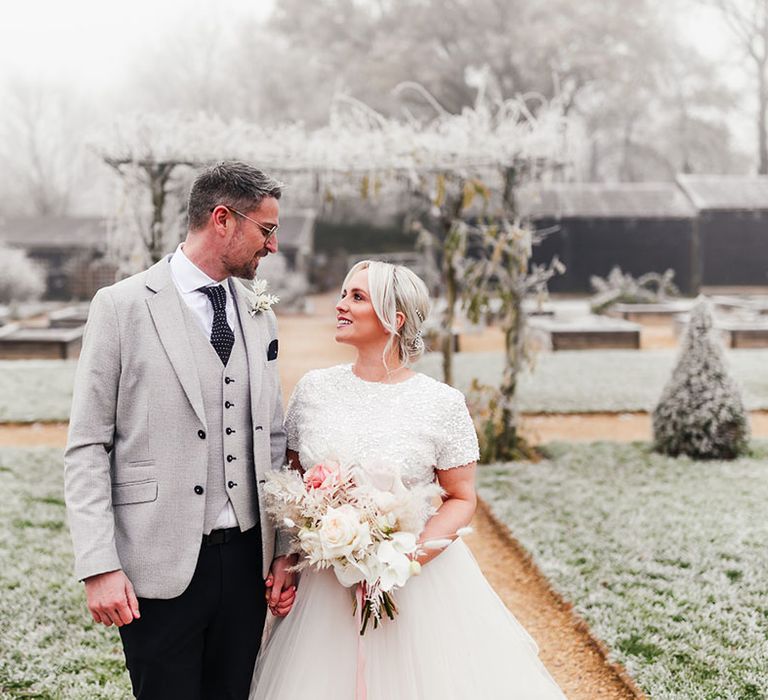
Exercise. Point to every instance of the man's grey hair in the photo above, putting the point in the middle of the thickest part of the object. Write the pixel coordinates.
(234, 184)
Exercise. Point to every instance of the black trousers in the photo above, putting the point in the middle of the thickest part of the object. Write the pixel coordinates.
(203, 644)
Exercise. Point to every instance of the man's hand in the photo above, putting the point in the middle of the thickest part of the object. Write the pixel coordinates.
(111, 599)
(281, 588)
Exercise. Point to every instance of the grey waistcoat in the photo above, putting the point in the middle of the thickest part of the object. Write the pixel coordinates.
(226, 399)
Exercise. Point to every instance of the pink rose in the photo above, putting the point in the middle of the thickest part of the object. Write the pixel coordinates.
(321, 476)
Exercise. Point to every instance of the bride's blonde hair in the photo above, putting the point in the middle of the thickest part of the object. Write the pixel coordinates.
(395, 288)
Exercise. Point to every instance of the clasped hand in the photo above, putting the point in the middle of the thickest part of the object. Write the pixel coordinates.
(112, 601)
(281, 585)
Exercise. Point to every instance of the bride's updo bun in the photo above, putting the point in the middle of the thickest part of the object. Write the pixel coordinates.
(395, 288)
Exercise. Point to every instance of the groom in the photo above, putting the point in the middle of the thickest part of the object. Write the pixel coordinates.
(176, 419)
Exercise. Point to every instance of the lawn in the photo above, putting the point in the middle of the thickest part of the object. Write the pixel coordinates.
(569, 382)
(49, 647)
(665, 558)
(598, 380)
(35, 390)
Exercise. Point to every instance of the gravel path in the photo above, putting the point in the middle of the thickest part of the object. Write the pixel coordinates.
(572, 656)
(537, 428)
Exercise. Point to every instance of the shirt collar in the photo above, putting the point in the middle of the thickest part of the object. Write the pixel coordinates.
(189, 277)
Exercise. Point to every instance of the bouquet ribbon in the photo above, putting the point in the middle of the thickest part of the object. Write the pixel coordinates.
(361, 691)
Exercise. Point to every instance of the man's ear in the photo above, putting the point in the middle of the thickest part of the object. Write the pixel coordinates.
(219, 216)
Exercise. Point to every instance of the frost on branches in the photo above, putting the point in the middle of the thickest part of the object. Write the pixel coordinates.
(359, 151)
(497, 282)
(701, 413)
(621, 287)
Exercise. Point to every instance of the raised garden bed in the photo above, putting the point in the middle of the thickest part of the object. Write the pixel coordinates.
(737, 331)
(587, 333)
(754, 303)
(744, 334)
(18, 343)
(659, 313)
(69, 317)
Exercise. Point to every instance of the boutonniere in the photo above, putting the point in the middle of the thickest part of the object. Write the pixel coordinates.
(258, 298)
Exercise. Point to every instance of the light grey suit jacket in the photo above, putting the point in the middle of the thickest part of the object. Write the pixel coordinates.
(134, 453)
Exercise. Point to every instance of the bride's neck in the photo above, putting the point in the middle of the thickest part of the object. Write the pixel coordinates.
(369, 365)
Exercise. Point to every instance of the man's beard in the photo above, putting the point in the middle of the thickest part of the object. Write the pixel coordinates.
(245, 271)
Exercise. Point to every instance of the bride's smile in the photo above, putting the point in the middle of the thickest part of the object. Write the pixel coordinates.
(356, 321)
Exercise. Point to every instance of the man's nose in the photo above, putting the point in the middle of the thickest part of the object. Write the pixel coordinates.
(272, 243)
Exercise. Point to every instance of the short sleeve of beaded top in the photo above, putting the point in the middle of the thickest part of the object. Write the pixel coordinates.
(418, 425)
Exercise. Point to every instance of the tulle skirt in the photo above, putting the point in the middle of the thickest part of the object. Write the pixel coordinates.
(453, 640)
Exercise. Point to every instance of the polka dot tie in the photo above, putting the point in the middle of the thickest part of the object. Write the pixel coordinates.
(222, 337)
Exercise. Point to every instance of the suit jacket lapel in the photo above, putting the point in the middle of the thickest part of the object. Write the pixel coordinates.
(255, 346)
(168, 316)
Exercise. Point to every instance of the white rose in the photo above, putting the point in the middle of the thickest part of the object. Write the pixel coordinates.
(310, 543)
(342, 533)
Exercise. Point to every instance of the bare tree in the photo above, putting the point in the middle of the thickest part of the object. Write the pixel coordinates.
(748, 21)
(155, 219)
(496, 285)
(41, 145)
(608, 63)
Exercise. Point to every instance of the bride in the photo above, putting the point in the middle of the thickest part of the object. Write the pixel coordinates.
(453, 638)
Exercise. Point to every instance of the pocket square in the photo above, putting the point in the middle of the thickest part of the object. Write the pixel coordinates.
(272, 350)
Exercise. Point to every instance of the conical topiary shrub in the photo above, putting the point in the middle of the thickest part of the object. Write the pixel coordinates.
(701, 413)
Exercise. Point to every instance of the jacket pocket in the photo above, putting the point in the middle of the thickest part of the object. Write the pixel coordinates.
(134, 492)
(141, 463)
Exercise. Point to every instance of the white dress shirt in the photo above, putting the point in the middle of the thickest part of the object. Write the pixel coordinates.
(188, 279)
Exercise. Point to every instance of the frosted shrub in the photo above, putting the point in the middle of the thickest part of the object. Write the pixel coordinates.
(622, 288)
(701, 413)
(21, 279)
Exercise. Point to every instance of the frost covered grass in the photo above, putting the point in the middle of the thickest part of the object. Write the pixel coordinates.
(35, 390)
(49, 647)
(567, 382)
(665, 558)
(599, 380)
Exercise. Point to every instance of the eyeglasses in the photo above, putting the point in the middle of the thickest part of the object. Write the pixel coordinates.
(269, 231)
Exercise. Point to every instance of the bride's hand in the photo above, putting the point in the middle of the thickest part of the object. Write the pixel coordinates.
(281, 588)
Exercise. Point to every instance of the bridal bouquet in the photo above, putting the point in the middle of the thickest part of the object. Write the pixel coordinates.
(363, 524)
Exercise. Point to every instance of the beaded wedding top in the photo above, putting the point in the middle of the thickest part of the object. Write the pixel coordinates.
(417, 425)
